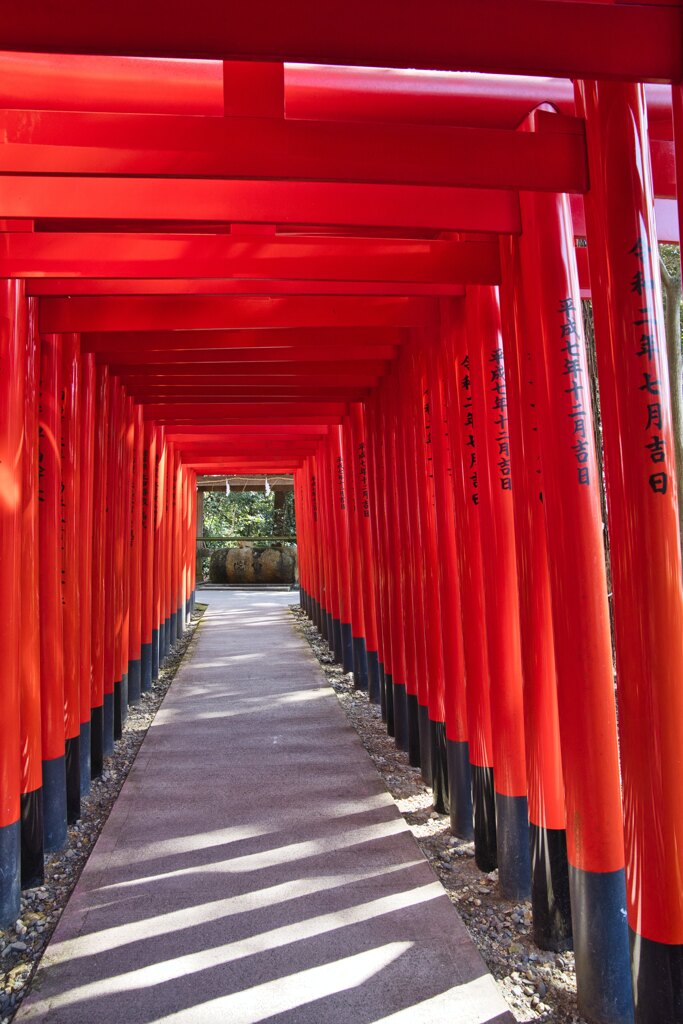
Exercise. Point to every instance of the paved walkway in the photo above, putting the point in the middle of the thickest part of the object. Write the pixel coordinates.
(254, 868)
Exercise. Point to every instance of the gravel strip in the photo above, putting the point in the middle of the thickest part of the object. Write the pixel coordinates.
(21, 947)
(537, 985)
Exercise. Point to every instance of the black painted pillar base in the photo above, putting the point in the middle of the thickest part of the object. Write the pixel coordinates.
(72, 764)
(425, 744)
(169, 638)
(155, 655)
(337, 641)
(400, 716)
(85, 753)
(347, 646)
(374, 680)
(180, 623)
(323, 623)
(172, 629)
(412, 713)
(10, 873)
(145, 668)
(32, 862)
(125, 699)
(552, 915)
(484, 815)
(439, 767)
(657, 970)
(118, 710)
(601, 945)
(108, 725)
(54, 803)
(360, 663)
(389, 696)
(382, 692)
(512, 838)
(134, 681)
(460, 788)
(96, 741)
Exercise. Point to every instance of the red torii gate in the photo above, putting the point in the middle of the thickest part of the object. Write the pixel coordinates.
(379, 292)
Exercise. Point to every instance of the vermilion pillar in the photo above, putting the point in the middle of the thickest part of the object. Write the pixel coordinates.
(360, 661)
(70, 565)
(51, 630)
(401, 632)
(330, 548)
(364, 508)
(157, 570)
(167, 536)
(411, 436)
(147, 526)
(99, 550)
(455, 704)
(12, 370)
(547, 819)
(432, 598)
(32, 872)
(125, 529)
(641, 479)
(408, 524)
(87, 497)
(112, 598)
(376, 437)
(500, 589)
(467, 494)
(136, 570)
(583, 655)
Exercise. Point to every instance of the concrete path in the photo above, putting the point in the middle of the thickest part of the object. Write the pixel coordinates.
(254, 868)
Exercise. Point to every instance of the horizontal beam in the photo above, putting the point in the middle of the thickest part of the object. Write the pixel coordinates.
(246, 384)
(303, 395)
(242, 286)
(552, 158)
(270, 430)
(76, 82)
(206, 312)
(339, 372)
(547, 37)
(277, 344)
(216, 201)
(316, 257)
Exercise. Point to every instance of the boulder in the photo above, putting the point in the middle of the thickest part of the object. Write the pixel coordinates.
(248, 562)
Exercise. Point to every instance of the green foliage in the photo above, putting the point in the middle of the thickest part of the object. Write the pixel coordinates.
(247, 514)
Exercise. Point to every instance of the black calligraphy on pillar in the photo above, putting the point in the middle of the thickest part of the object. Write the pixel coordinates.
(499, 404)
(340, 481)
(645, 334)
(574, 371)
(468, 428)
(363, 472)
(145, 488)
(62, 493)
(429, 458)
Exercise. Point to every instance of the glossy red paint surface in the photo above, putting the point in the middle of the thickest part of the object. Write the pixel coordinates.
(642, 494)
(13, 328)
(458, 379)
(545, 787)
(575, 540)
(50, 547)
(499, 560)
(87, 519)
(29, 630)
(70, 502)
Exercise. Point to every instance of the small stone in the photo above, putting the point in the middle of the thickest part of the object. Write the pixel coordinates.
(19, 947)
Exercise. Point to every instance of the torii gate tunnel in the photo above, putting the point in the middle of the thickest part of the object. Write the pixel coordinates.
(240, 239)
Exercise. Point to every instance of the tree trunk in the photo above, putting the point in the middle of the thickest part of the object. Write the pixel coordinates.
(279, 503)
